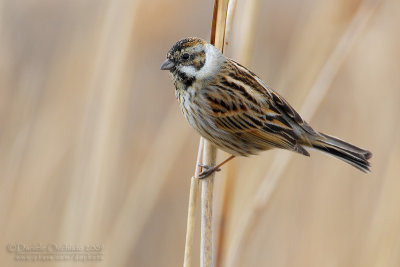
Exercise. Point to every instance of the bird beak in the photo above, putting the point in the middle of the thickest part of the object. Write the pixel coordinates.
(167, 65)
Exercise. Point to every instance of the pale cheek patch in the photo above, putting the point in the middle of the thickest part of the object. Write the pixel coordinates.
(189, 70)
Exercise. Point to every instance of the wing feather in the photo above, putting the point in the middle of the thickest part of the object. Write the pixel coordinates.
(252, 112)
(275, 100)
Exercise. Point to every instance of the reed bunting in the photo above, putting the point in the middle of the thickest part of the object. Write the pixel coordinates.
(235, 110)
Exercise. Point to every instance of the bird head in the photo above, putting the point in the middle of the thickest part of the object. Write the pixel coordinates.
(194, 58)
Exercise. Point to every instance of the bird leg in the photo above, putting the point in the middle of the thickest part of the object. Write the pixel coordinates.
(208, 170)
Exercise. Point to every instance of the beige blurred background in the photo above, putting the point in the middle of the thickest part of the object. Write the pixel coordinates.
(94, 150)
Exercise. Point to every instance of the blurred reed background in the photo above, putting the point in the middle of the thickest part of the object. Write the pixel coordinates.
(94, 150)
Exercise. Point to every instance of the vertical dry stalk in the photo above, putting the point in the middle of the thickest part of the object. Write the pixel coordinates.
(315, 97)
(210, 151)
(207, 185)
(230, 14)
(209, 157)
(191, 219)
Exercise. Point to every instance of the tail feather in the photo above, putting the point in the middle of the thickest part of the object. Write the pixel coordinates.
(351, 154)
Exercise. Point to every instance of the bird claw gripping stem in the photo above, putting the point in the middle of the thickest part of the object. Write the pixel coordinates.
(207, 170)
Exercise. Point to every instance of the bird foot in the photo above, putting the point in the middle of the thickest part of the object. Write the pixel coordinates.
(207, 171)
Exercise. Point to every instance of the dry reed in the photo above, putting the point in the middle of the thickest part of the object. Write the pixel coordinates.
(209, 152)
(191, 219)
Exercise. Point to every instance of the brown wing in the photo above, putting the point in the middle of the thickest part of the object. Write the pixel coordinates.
(274, 98)
(246, 109)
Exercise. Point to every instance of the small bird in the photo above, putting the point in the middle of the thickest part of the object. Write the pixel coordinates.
(232, 108)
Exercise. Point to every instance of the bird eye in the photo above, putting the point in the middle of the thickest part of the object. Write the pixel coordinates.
(185, 56)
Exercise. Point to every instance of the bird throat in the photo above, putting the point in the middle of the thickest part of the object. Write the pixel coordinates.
(184, 79)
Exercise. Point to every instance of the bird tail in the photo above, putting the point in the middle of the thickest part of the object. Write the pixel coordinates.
(351, 154)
